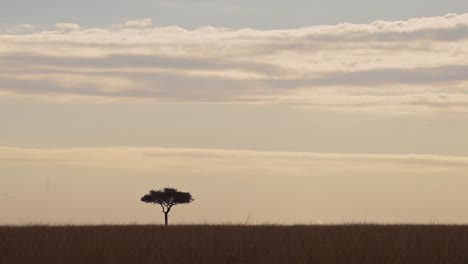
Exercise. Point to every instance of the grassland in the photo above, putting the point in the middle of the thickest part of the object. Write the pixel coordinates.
(376, 244)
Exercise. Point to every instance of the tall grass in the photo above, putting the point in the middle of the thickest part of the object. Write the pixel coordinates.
(376, 244)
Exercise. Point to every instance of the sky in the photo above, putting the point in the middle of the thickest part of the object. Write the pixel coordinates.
(267, 112)
(260, 14)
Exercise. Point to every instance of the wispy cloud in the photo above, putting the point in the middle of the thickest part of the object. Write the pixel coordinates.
(407, 66)
(71, 26)
(25, 26)
(230, 161)
(138, 23)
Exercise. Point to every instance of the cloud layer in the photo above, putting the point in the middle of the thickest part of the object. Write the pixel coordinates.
(231, 161)
(404, 66)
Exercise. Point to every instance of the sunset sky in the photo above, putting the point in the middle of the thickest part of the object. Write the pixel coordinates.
(266, 111)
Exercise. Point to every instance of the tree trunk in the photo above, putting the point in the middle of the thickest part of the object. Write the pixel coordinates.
(166, 215)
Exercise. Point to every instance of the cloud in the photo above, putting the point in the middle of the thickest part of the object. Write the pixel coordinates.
(138, 23)
(413, 65)
(229, 161)
(67, 26)
(25, 26)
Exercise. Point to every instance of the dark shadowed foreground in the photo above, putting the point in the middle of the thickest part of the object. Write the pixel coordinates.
(235, 244)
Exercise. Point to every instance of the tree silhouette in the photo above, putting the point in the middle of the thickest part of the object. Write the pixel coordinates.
(167, 197)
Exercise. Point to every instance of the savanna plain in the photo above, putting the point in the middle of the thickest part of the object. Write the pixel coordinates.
(349, 243)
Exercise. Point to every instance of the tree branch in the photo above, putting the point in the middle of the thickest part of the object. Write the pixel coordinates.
(163, 209)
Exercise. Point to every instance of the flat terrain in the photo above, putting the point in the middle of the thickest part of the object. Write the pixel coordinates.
(376, 244)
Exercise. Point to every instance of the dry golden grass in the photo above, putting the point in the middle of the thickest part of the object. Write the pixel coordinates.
(376, 244)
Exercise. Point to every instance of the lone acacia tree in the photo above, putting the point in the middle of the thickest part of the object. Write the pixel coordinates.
(166, 198)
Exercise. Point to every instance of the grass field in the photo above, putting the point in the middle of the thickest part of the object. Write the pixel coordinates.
(376, 244)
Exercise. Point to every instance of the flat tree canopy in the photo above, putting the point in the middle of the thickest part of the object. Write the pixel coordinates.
(166, 198)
